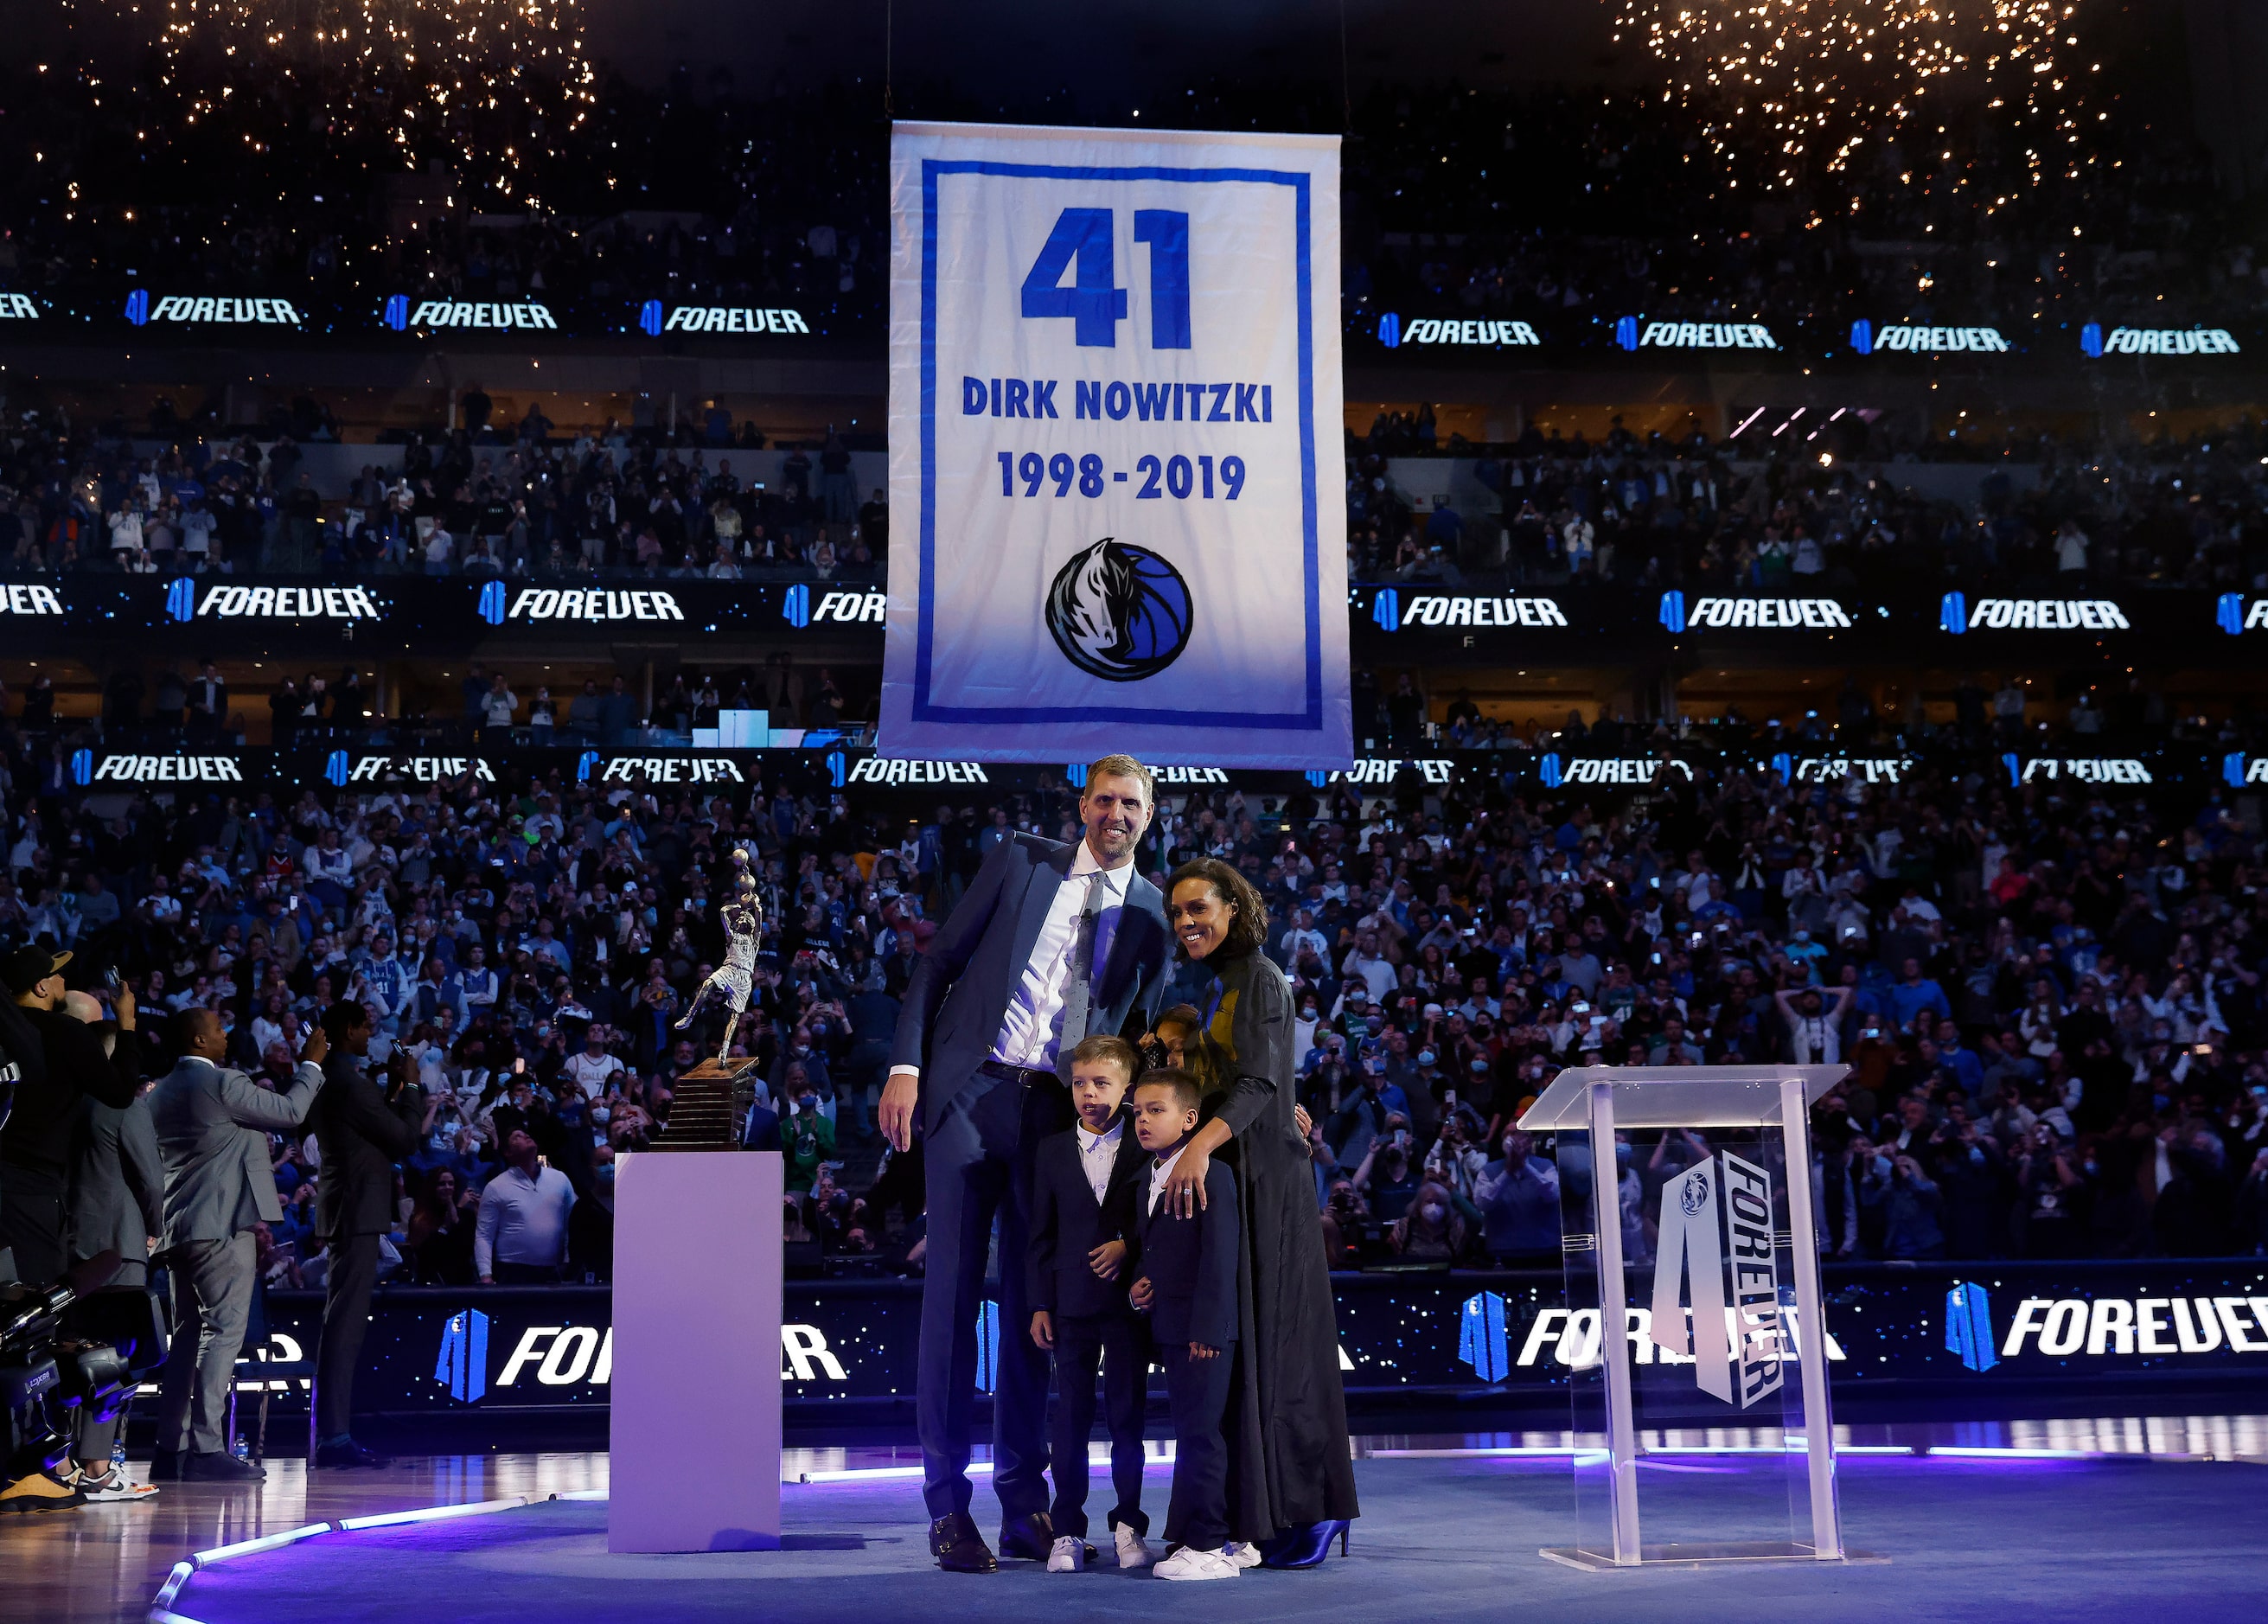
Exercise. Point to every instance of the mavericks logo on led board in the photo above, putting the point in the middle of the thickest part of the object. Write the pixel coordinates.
(717, 319)
(86, 769)
(184, 602)
(893, 773)
(2156, 341)
(342, 769)
(184, 309)
(1957, 614)
(669, 769)
(1751, 614)
(402, 316)
(1393, 332)
(852, 607)
(1630, 334)
(499, 606)
(1867, 338)
(2081, 769)
(1551, 770)
(1444, 608)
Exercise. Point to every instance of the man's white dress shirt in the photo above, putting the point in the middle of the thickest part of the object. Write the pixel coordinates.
(1033, 1024)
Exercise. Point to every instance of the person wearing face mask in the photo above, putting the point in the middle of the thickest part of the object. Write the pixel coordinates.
(64, 1063)
(1432, 1231)
(1423, 1091)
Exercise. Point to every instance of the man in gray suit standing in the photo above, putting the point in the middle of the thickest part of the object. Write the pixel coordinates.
(212, 1134)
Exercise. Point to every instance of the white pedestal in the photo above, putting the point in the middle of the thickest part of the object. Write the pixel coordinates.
(695, 1421)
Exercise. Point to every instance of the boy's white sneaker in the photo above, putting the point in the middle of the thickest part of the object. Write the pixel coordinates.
(1132, 1551)
(1243, 1552)
(1190, 1564)
(1068, 1555)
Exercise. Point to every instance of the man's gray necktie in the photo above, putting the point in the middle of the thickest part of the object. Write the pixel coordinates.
(1079, 984)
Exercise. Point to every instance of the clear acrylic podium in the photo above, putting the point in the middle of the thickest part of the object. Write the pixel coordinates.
(1712, 1272)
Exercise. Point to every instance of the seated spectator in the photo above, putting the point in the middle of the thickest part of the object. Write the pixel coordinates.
(1432, 1229)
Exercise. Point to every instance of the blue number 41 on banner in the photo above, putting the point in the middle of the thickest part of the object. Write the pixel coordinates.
(1084, 241)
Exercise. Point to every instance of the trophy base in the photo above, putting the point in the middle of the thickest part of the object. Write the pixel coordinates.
(706, 1106)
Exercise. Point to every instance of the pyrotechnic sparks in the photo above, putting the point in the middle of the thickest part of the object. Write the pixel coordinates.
(482, 90)
(1813, 80)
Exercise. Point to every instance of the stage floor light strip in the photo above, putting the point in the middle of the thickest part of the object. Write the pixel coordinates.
(161, 1612)
(172, 1586)
(1563, 1453)
(1488, 1452)
(253, 1548)
(1996, 1453)
(877, 1474)
(430, 1513)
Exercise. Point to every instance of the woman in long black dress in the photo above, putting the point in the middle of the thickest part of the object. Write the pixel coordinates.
(1290, 1478)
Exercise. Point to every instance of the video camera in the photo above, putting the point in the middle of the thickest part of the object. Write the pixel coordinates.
(71, 1347)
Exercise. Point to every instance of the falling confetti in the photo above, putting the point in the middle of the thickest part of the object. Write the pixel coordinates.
(1805, 82)
(489, 91)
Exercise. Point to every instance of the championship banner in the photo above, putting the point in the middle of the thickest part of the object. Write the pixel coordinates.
(1115, 448)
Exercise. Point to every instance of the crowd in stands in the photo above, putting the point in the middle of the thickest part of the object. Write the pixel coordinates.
(2052, 998)
(482, 503)
(2052, 1015)
(1759, 516)
(1760, 513)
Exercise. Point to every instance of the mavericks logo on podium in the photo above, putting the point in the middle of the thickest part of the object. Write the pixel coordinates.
(1119, 612)
(1731, 1334)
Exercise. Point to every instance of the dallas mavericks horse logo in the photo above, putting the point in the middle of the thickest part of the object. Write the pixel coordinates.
(1119, 612)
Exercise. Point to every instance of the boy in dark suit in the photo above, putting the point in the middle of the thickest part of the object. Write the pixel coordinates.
(1186, 1284)
(1083, 1195)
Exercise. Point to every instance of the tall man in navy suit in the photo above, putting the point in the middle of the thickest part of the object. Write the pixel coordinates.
(1051, 943)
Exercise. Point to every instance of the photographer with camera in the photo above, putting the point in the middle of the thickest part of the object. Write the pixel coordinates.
(117, 1205)
(213, 1125)
(1905, 1199)
(62, 1064)
(35, 1144)
(362, 1129)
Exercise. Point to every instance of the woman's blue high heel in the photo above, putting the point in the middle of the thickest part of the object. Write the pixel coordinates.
(1305, 1545)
